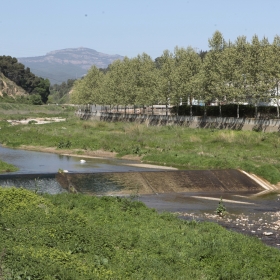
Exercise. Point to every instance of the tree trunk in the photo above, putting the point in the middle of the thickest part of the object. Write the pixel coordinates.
(277, 101)
(220, 110)
(256, 111)
(238, 110)
(190, 105)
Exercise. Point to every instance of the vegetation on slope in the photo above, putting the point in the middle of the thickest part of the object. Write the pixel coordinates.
(5, 167)
(37, 87)
(60, 93)
(82, 237)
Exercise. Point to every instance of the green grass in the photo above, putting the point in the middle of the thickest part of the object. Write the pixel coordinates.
(181, 147)
(21, 111)
(82, 237)
(5, 167)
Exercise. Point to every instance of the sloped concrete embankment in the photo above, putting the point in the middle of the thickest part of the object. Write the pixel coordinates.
(129, 183)
(148, 182)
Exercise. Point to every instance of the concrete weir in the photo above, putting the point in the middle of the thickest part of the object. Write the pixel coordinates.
(130, 183)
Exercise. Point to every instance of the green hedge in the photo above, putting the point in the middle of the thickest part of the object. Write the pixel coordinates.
(230, 110)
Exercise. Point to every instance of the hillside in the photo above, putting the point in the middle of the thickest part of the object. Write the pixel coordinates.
(10, 88)
(61, 65)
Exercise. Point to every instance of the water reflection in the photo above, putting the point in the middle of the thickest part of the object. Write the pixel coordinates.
(39, 162)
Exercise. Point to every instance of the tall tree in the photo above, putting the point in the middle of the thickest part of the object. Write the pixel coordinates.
(187, 67)
(167, 79)
(240, 56)
(146, 78)
(275, 71)
(212, 75)
(88, 90)
(258, 71)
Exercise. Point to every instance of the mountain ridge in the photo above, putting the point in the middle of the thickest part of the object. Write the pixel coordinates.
(70, 63)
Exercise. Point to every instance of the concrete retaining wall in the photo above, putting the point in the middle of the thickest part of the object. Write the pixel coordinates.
(267, 125)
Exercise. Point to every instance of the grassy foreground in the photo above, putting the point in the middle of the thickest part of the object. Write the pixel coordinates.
(75, 237)
(181, 147)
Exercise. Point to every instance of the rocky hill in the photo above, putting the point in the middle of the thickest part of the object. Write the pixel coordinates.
(61, 65)
(9, 88)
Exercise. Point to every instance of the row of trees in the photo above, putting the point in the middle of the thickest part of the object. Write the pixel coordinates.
(231, 72)
(35, 86)
(59, 93)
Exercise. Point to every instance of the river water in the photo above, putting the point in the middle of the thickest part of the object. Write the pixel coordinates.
(31, 162)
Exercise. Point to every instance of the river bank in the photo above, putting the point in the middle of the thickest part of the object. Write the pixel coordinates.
(246, 213)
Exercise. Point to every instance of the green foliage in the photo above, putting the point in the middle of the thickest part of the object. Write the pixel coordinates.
(22, 76)
(230, 73)
(36, 99)
(5, 167)
(70, 236)
(60, 93)
(221, 209)
(64, 145)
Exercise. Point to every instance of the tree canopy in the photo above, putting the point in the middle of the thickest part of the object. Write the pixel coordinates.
(230, 72)
(22, 76)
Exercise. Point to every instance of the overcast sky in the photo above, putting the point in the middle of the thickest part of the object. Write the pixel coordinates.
(130, 27)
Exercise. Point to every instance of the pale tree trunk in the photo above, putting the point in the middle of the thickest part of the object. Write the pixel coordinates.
(277, 101)
(220, 109)
(256, 110)
(238, 110)
(191, 106)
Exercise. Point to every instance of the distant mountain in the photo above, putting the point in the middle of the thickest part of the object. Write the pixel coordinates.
(61, 65)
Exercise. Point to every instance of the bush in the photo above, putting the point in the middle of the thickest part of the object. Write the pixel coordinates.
(35, 99)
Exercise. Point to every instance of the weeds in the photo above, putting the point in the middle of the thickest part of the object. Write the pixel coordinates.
(221, 209)
(87, 237)
(5, 167)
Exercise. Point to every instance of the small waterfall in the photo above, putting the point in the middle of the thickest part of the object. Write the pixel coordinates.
(40, 185)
